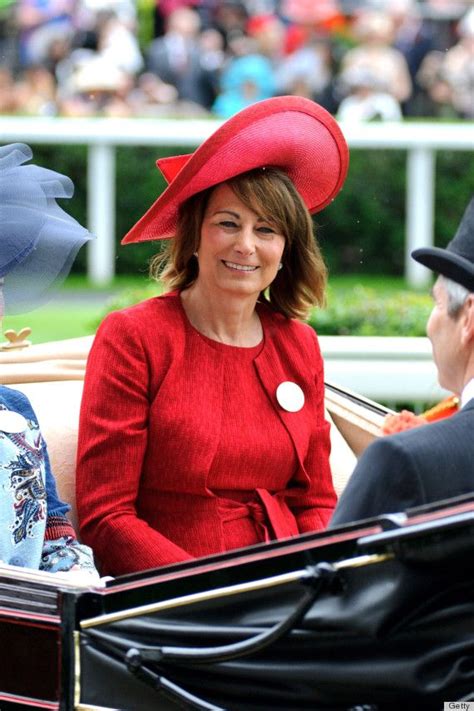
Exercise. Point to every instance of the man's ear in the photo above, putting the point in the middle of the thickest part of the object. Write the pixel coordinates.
(467, 316)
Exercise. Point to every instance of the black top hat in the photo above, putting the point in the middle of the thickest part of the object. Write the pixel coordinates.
(456, 262)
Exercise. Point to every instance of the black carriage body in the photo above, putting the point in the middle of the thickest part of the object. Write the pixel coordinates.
(43, 664)
(386, 620)
(35, 640)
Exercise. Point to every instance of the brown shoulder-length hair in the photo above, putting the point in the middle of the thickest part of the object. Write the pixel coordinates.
(269, 192)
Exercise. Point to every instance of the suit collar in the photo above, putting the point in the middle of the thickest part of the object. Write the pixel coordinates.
(467, 392)
(469, 404)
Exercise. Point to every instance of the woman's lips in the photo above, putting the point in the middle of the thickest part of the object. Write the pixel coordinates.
(239, 267)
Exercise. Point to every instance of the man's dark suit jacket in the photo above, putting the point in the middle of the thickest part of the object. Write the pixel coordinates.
(415, 467)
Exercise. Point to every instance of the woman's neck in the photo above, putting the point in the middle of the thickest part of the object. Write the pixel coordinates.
(233, 321)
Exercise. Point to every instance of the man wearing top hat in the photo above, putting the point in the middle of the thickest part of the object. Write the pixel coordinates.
(436, 461)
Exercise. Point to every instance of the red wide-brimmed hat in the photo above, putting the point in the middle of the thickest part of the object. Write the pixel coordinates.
(288, 132)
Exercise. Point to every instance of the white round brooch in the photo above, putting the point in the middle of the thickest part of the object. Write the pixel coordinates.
(290, 396)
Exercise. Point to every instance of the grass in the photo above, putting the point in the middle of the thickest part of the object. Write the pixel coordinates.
(74, 311)
(79, 306)
(55, 323)
(78, 282)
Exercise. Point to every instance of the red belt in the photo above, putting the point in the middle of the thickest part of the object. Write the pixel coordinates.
(268, 511)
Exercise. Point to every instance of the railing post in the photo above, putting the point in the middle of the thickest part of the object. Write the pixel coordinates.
(420, 210)
(101, 213)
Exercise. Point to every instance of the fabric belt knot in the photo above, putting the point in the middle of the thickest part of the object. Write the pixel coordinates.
(268, 511)
(234, 510)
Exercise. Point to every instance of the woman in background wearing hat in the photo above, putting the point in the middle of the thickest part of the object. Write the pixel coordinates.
(37, 247)
(202, 425)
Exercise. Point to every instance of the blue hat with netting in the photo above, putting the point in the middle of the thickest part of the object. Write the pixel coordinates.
(38, 240)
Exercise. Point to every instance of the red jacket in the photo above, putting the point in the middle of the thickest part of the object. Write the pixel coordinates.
(141, 508)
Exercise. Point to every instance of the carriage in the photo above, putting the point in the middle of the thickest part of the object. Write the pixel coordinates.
(375, 615)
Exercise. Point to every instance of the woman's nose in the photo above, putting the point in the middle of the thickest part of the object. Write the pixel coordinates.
(245, 242)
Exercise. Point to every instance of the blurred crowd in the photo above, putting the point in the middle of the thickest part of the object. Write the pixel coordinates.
(361, 59)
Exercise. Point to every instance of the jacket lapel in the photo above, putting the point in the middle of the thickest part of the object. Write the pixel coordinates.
(271, 373)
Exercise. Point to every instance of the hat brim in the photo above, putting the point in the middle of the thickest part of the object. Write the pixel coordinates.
(289, 132)
(447, 263)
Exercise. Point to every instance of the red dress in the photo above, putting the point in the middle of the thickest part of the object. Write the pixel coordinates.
(183, 448)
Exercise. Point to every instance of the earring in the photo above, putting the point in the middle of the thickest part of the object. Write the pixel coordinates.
(195, 254)
(280, 266)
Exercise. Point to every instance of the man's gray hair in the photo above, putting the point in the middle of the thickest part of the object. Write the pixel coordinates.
(457, 295)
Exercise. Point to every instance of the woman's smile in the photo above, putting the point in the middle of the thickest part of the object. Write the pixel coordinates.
(239, 267)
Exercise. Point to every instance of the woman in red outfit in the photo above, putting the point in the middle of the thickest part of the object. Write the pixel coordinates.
(202, 425)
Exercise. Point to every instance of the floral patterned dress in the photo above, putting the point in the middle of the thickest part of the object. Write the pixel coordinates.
(34, 529)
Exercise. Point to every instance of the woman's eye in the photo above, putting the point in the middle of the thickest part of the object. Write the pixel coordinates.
(228, 223)
(265, 230)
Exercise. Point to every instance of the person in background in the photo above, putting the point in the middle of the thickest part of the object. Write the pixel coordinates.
(414, 37)
(35, 92)
(244, 81)
(8, 97)
(447, 77)
(202, 423)
(177, 58)
(37, 247)
(367, 98)
(307, 70)
(435, 461)
(457, 68)
(96, 87)
(375, 53)
(39, 22)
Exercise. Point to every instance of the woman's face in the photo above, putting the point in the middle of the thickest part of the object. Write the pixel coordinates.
(239, 251)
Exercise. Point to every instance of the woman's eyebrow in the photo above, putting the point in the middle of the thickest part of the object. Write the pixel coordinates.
(227, 212)
(237, 215)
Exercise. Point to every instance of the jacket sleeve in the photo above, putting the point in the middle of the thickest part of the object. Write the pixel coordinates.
(313, 508)
(56, 508)
(111, 448)
(385, 480)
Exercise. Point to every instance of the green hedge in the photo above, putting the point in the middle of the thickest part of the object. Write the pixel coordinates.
(360, 311)
(367, 312)
(361, 232)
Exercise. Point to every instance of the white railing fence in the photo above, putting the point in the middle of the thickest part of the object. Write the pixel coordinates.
(101, 135)
(385, 369)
